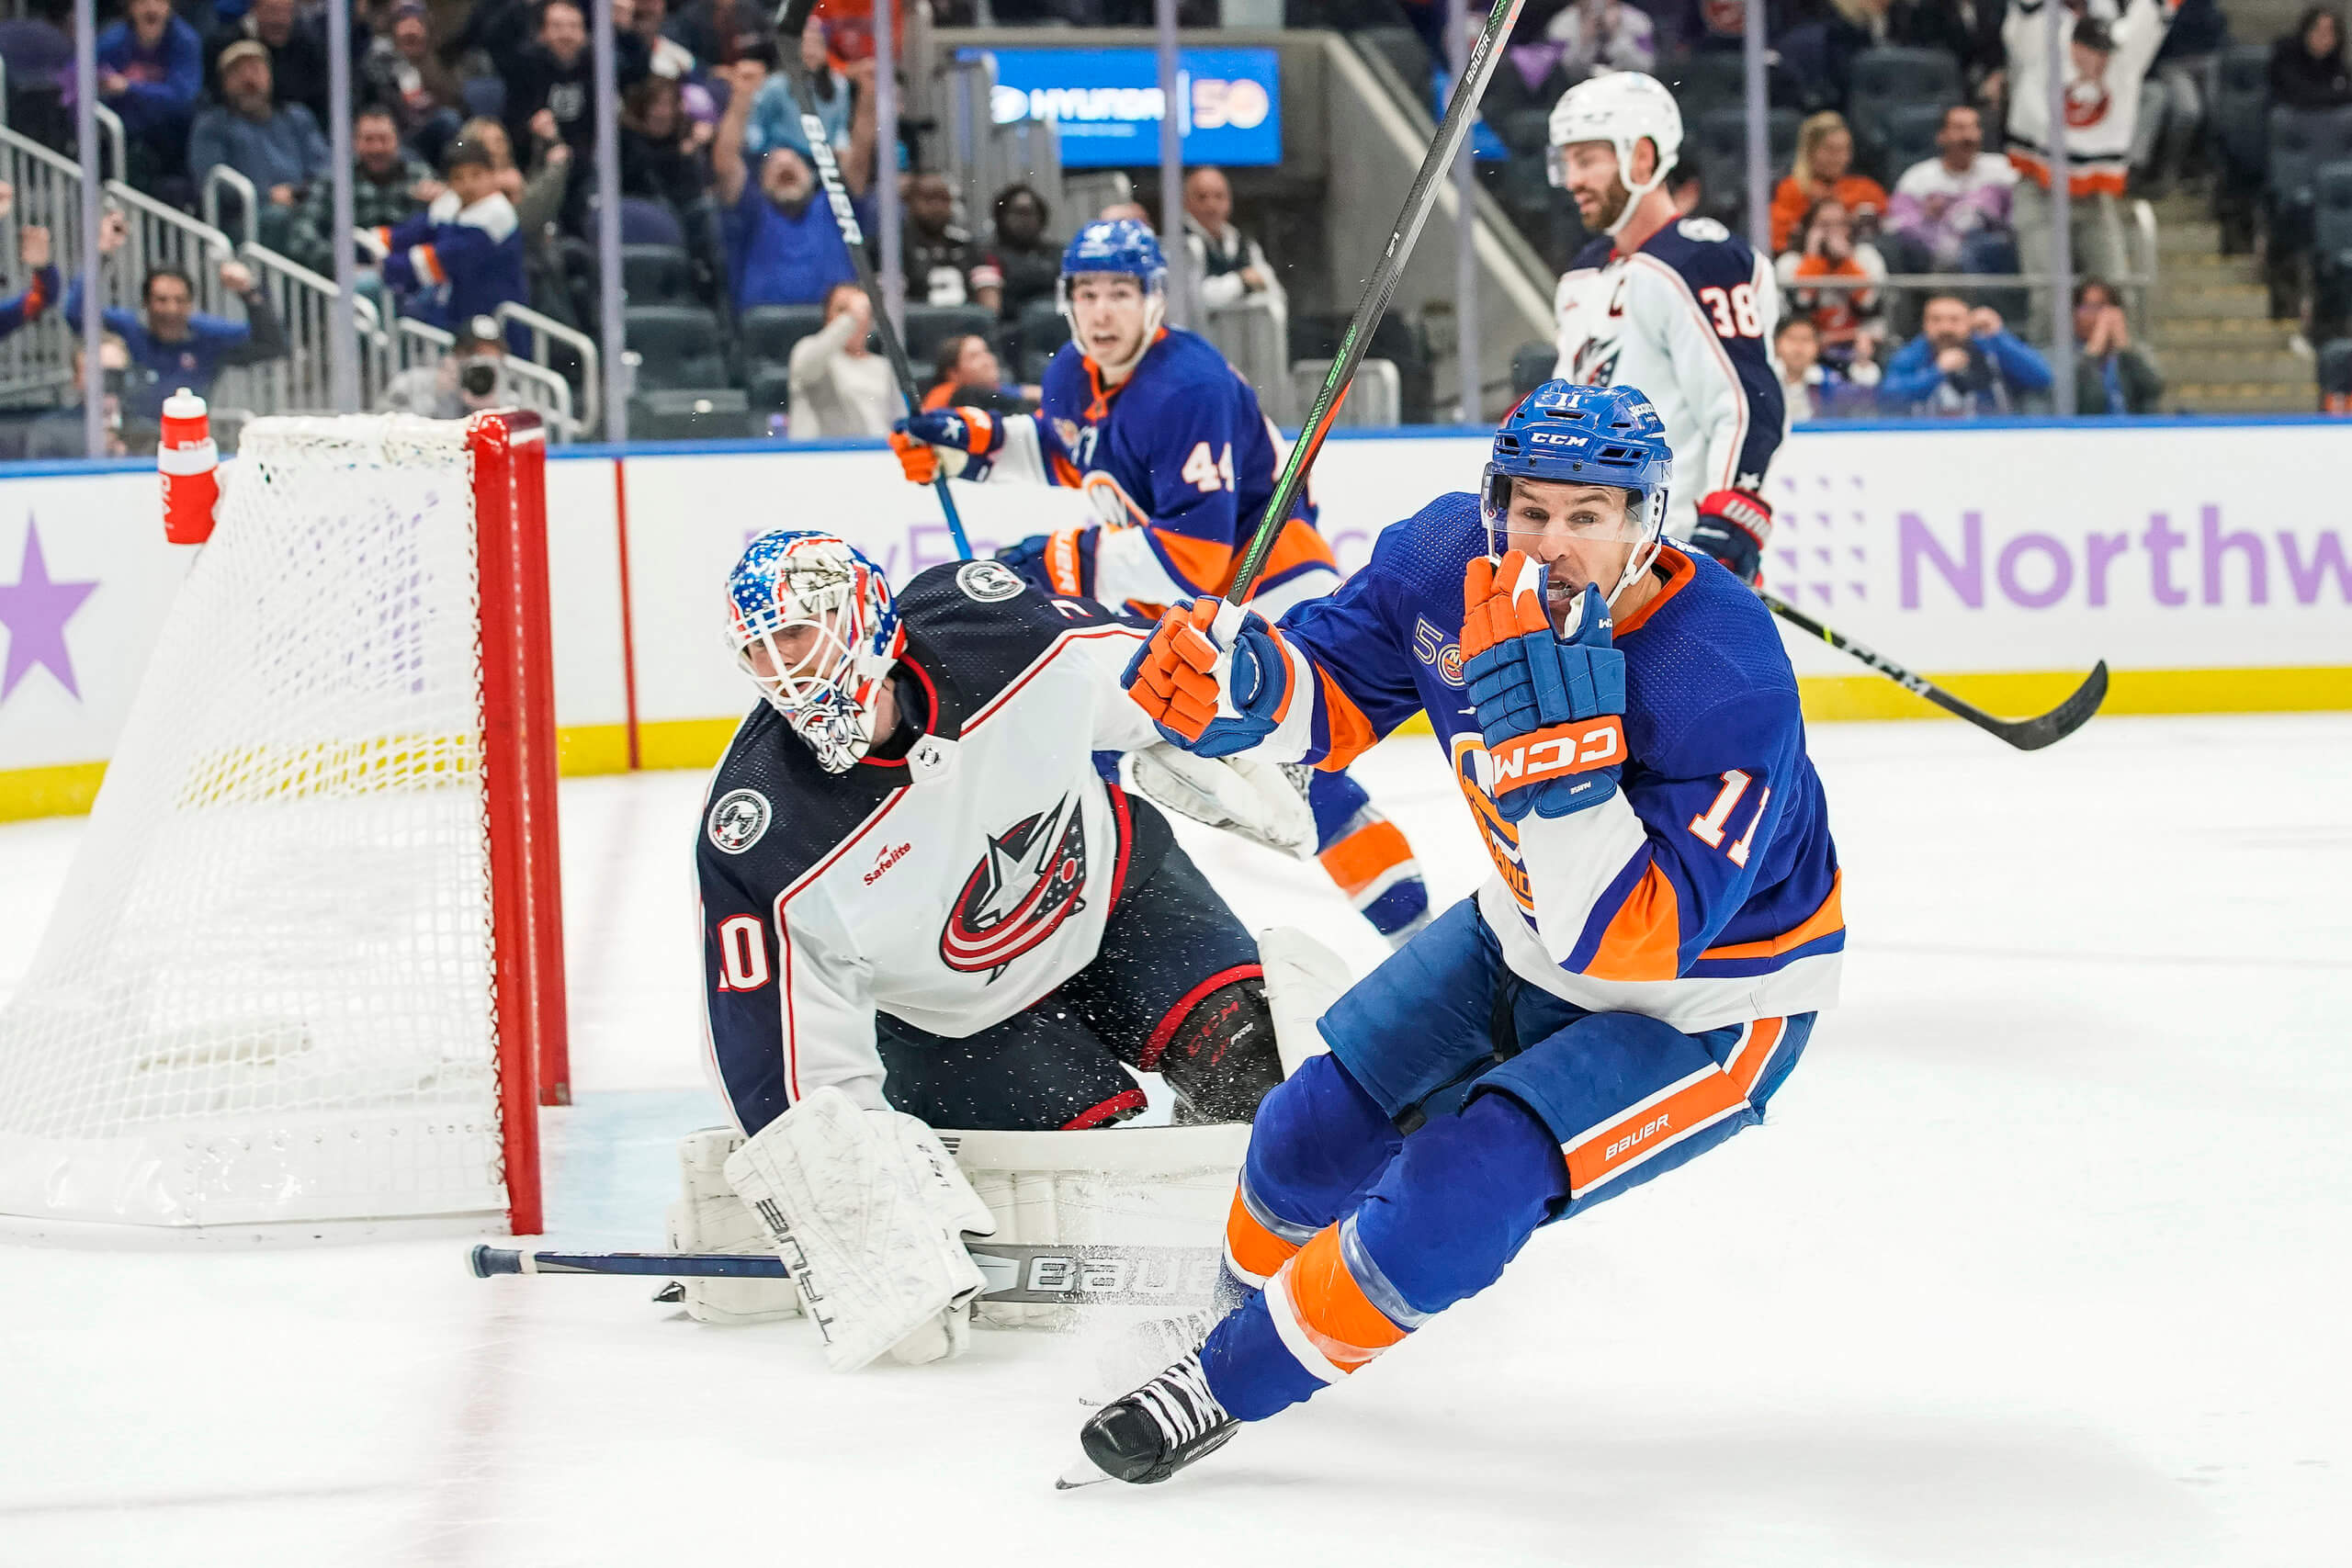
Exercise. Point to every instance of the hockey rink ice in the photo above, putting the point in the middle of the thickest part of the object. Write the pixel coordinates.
(2041, 1258)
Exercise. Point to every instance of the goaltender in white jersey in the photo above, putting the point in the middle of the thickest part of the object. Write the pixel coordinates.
(1680, 307)
(927, 904)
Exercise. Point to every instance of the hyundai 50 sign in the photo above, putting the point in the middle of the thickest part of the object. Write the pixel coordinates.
(1105, 103)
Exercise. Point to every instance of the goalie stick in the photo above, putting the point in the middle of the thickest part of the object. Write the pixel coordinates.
(1459, 111)
(2025, 734)
(791, 21)
(1019, 1273)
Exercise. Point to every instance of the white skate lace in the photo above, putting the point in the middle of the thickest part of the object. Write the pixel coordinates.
(1180, 1402)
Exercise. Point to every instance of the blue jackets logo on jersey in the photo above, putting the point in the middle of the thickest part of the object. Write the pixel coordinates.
(1031, 880)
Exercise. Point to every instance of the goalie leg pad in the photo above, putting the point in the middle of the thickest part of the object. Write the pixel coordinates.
(709, 1217)
(866, 1209)
(1128, 1187)
(1303, 978)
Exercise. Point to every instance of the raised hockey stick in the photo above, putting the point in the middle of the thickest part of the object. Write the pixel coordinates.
(791, 19)
(1016, 1272)
(2025, 734)
(1459, 111)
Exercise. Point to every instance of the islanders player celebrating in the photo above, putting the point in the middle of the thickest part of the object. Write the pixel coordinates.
(1627, 990)
(1178, 461)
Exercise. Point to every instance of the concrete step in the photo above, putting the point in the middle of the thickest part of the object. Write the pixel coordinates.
(2203, 269)
(2259, 397)
(2225, 334)
(2241, 300)
(2238, 369)
(2188, 235)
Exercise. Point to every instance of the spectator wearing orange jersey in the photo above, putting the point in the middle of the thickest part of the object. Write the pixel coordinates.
(1846, 318)
(1823, 168)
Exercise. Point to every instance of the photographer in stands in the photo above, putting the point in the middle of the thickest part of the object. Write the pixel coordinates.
(471, 377)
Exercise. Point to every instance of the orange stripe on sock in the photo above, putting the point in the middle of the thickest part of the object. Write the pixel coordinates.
(1331, 1309)
(1252, 1249)
(1763, 1038)
(1366, 855)
(1601, 1156)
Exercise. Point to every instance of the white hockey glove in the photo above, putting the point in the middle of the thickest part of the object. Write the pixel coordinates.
(1241, 794)
(868, 1213)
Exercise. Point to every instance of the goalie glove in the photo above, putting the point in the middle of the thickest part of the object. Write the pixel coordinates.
(1732, 526)
(1252, 799)
(868, 1213)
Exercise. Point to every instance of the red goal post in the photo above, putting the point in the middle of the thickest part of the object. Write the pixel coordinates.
(306, 975)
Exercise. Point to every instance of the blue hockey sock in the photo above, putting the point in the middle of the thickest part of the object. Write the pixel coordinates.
(1445, 1218)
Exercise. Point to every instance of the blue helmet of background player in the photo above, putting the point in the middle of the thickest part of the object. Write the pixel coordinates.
(1123, 248)
(814, 624)
(1565, 434)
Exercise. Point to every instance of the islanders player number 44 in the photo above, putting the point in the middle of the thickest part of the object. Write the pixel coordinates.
(1628, 990)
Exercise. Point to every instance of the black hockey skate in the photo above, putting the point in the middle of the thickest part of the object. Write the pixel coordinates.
(1151, 1434)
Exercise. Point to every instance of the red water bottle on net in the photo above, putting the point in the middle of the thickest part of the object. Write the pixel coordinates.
(191, 465)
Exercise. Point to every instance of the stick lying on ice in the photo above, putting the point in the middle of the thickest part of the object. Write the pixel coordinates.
(1019, 1273)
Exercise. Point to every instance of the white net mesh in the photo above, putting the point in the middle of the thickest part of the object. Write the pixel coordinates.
(265, 993)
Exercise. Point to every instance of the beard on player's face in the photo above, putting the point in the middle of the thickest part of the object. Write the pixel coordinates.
(1596, 183)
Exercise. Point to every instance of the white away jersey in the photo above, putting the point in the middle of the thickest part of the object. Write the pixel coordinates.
(951, 886)
(1686, 320)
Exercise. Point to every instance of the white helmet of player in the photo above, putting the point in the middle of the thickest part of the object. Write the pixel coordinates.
(1624, 108)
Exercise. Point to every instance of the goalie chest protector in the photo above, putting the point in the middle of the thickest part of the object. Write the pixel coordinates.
(951, 885)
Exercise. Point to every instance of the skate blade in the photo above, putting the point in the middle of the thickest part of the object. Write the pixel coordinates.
(1083, 1474)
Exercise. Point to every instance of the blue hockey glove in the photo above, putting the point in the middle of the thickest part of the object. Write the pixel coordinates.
(1550, 707)
(959, 443)
(1212, 677)
(1056, 563)
(1732, 526)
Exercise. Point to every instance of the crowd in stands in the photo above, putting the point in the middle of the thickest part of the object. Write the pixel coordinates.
(1916, 143)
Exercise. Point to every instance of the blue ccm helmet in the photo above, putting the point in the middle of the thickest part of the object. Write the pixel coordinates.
(1119, 246)
(1603, 435)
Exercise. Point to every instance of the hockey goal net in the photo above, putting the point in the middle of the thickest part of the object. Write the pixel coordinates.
(307, 968)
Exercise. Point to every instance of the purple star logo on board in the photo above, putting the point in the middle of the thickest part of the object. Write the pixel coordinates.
(35, 611)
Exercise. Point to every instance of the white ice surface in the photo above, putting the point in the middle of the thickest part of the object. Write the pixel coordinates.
(2040, 1260)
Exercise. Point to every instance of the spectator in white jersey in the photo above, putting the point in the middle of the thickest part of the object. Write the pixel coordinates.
(2105, 65)
(1951, 212)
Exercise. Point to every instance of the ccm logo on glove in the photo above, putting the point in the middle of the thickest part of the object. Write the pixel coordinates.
(1549, 753)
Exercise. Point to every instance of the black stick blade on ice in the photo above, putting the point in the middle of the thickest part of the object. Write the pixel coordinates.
(2025, 734)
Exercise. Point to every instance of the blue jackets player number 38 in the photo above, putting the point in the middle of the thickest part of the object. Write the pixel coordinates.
(1628, 990)
(1680, 306)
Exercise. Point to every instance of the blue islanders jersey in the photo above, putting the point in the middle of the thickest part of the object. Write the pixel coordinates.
(1688, 318)
(1178, 461)
(1705, 892)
